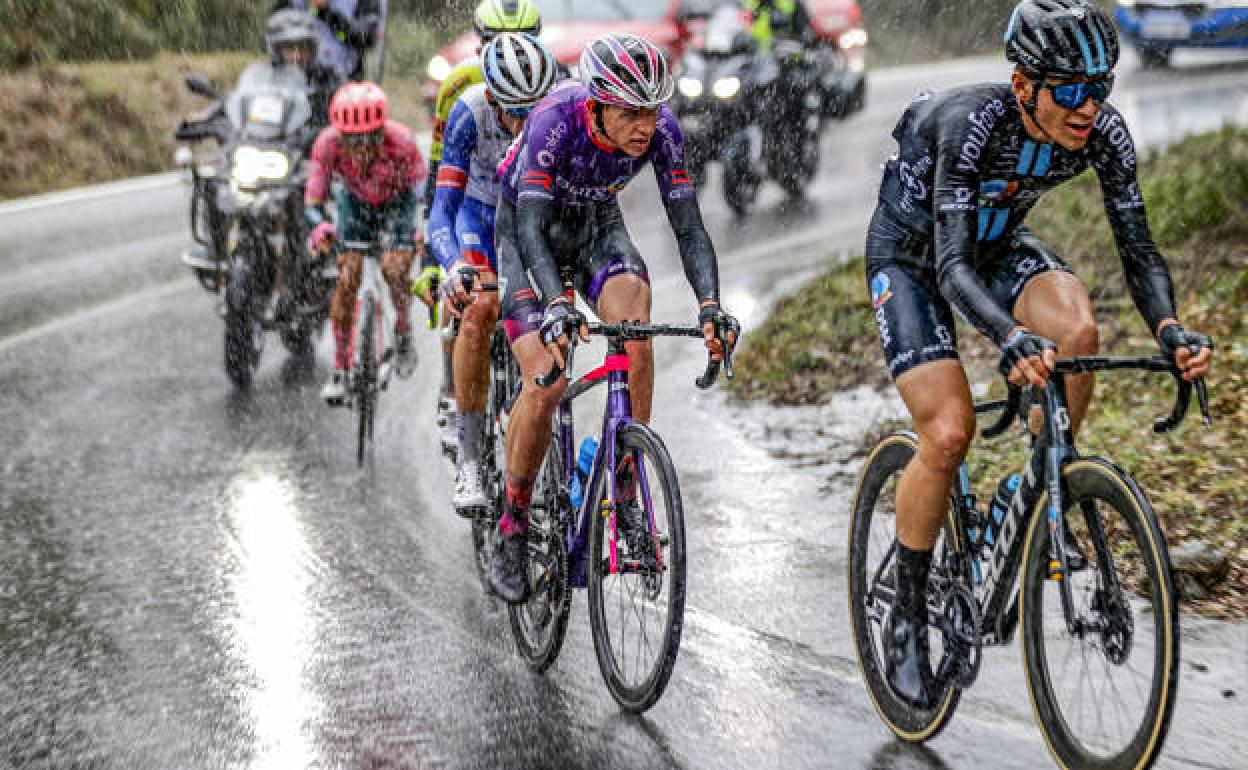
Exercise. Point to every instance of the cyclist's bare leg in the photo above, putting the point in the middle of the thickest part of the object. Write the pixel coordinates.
(448, 350)
(472, 348)
(1056, 305)
(626, 297)
(342, 305)
(528, 427)
(938, 398)
(395, 266)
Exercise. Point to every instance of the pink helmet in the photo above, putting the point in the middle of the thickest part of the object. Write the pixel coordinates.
(358, 108)
(626, 70)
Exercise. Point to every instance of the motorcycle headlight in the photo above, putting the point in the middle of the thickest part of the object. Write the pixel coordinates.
(439, 68)
(726, 88)
(690, 88)
(253, 165)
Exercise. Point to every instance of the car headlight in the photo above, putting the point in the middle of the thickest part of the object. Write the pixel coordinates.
(252, 165)
(726, 88)
(439, 68)
(854, 38)
(690, 88)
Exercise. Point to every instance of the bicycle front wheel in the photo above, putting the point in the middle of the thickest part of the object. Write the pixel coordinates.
(872, 568)
(1103, 683)
(637, 579)
(365, 375)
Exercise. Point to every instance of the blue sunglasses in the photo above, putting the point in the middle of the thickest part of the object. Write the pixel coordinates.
(518, 112)
(1071, 96)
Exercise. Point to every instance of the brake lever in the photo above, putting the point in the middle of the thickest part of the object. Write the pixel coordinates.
(1181, 402)
(552, 376)
(1202, 398)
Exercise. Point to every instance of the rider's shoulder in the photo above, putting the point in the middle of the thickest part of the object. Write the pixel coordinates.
(325, 142)
(961, 110)
(401, 135)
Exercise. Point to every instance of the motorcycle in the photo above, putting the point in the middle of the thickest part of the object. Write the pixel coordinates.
(257, 260)
(759, 115)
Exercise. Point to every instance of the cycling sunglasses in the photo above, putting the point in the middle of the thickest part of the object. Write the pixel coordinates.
(362, 140)
(518, 112)
(1071, 96)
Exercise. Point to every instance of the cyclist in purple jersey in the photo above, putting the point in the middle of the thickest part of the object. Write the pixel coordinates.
(558, 219)
(948, 232)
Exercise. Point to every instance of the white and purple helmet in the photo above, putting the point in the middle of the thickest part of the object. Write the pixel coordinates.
(627, 71)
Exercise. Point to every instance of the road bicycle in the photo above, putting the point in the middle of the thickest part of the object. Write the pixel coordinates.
(504, 387)
(1100, 644)
(626, 541)
(372, 359)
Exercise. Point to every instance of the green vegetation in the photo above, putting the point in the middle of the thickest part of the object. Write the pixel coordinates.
(823, 339)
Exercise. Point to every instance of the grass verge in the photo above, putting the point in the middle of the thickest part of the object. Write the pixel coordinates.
(823, 339)
(68, 125)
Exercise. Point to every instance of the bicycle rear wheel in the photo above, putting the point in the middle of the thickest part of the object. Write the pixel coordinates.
(636, 612)
(872, 532)
(365, 375)
(539, 624)
(1103, 694)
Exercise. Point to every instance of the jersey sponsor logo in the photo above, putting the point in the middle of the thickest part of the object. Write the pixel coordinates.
(900, 359)
(881, 290)
(619, 184)
(1114, 129)
(997, 190)
(681, 176)
(555, 135)
(545, 158)
(913, 177)
(1132, 198)
(977, 136)
(471, 239)
(537, 178)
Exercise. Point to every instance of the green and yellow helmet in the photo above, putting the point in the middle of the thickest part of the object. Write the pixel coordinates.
(495, 16)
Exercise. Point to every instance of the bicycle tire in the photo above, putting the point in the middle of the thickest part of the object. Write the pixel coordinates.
(1099, 484)
(366, 375)
(493, 455)
(540, 624)
(656, 463)
(889, 457)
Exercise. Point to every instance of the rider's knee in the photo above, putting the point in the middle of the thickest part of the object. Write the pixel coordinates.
(944, 444)
(1080, 338)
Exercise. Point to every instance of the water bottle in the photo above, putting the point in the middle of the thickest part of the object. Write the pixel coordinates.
(1000, 506)
(584, 462)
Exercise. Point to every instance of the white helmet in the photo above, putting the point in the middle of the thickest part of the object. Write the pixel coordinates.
(518, 70)
(626, 70)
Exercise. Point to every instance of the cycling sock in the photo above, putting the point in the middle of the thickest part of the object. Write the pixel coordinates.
(470, 427)
(515, 519)
(912, 568)
(342, 346)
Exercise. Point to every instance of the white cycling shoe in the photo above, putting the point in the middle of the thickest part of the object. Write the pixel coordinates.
(335, 391)
(469, 490)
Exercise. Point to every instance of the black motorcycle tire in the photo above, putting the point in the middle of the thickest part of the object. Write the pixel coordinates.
(797, 173)
(242, 334)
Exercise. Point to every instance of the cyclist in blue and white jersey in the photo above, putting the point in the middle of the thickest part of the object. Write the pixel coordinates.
(518, 72)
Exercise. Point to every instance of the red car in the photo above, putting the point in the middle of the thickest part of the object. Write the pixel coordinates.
(568, 25)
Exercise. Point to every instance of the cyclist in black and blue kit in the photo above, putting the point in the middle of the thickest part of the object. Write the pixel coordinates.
(948, 233)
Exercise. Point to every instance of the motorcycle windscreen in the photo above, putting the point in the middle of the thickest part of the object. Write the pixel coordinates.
(269, 103)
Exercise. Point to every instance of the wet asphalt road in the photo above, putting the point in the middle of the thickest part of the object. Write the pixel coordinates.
(191, 578)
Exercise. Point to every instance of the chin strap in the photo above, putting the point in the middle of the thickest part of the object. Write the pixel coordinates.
(1029, 106)
(598, 124)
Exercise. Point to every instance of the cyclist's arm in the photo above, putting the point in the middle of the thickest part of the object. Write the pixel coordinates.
(538, 167)
(316, 191)
(697, 253)
(956, 225)
(1147, 276)
(452, 180)
(448, 93)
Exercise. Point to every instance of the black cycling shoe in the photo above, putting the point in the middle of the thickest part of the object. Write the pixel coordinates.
(909, 669)
(509, 567)
(630, 519)
(1075, 559)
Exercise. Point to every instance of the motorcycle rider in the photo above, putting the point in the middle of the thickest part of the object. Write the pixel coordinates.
(382, 174)
(290, 39)
(489, 19)
(347, 29)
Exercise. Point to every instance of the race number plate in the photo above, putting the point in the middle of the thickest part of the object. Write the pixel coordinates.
(1166, 26)
(265, 108)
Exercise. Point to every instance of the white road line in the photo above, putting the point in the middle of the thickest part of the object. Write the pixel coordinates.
(104, 308)
(137, 184)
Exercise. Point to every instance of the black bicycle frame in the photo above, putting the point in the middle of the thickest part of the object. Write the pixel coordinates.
(997, 592)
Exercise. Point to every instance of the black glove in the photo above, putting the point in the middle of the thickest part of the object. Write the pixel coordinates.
(1174, 337)
(560, 318)
(724, 323)
(1020, 345)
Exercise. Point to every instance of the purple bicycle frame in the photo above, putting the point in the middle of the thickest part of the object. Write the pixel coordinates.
(619, 412)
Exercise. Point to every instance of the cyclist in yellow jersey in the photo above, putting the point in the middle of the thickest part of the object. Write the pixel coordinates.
(489, 19)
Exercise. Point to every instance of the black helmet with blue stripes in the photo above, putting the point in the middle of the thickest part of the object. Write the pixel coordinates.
(1062, 38)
